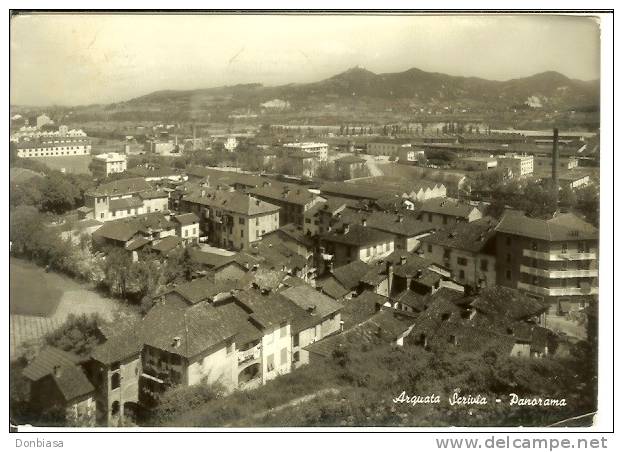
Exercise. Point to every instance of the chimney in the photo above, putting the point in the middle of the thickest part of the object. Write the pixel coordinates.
(57, 371)
(364, 222)
(177, 341)
(311, 309)
(401, 218)
(390, 277)
(403, 260)
(555, 163)
(346, 228)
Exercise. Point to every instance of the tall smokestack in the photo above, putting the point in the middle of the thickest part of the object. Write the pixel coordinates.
(555, 163)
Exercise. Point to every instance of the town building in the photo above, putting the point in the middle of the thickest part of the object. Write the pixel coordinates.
(319, 150)
(53, 147)
(124, 198)
(302, 163)
(350, 167)
(292, 201)
(466, 251)
(573, 180)
(59, 387)
(388, 147)
(352, 242)
(477, 163)
(104, 165)
(443, 212)
(186, 227)
(410, 155)
(519, 165)
(199, 334)
(544, 163)
(553, 260)
(231, 219)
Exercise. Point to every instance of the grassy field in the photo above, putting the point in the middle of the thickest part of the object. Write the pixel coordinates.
(32, 291)
(40, 302)
(76, 164)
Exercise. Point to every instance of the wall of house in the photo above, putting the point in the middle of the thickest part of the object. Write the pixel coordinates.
(155, 205)
(220, 366)
(471, 272)
(273, 346)
(378, 251)
(81, 412)
(189, 232)
(129, 372)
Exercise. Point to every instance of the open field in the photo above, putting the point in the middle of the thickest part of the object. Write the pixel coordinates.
(33, 292)
(76, 164)
(73, 298)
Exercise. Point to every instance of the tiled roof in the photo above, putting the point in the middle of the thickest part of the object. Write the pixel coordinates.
(167, 244)
(293, 232)
(284, 193)
(306, 297)
(125, 203)
(123, 342)
(503, 303)
(446, 206)
(44, 362)
(477, 236)
(269, 310)
(202, 289)
(125, 228)
(186, 219)
(382, 327)
(70, 378)
(361, 308)
(136, 243)
(232, 201)
(349, 275)
(356, 190)
(333, 288)
(121, 187)
(153, 194)
(358, 235)
(404, 224)
(414, 265)
(559, 228)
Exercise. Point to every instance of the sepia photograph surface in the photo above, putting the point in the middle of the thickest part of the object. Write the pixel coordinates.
(247, 220)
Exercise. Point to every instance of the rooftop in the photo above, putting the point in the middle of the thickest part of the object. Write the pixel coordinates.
(231, 201)
(564, 226)
(477, 236)
(446, 206)
(357, 235)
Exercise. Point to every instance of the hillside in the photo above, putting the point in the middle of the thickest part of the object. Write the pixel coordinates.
(546, 90)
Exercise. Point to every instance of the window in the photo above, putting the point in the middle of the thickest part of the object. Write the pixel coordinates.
(461, 274)
(296, 357)
(186, 233)
(580, 247)
(242, 233)
(241, 220)
(257, 222)
(461, 261)
(295, 340)
(446, 253)
(115, 381)
(484, 265)
(114, 409)
(508, 275)
(284, 356)
(270, 362)
(564, 248)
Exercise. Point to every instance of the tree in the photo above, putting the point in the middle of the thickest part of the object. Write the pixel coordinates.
(116, 271)
(58, 194)
(79, 334)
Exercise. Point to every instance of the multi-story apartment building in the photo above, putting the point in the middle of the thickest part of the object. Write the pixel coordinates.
(303, 163)
(292, 201)
(318, 150)
(466, 251)
(553, 260)
(229, 218)
(104, 165)
(124, 198)
(520, 165)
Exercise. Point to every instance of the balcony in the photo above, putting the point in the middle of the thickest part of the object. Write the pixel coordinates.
(557, 274)
(558, 256)
(557, 291)
(249, 355)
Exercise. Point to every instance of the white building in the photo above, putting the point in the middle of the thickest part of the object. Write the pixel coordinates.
(53, 147)
(109, 163)
(319, 150)
(520, 165)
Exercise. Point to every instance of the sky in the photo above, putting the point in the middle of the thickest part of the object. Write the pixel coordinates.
(68, 59)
